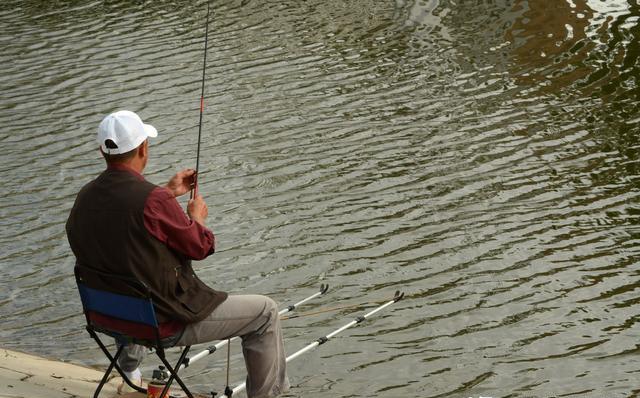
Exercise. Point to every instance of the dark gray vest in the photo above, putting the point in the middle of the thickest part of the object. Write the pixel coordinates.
(106, 232)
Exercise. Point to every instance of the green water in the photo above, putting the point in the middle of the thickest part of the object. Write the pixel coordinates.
(482, 156)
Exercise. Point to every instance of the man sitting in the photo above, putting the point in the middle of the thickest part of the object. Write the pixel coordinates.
(122, 224)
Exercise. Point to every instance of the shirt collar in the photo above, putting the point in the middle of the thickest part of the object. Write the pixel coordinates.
(123, 167)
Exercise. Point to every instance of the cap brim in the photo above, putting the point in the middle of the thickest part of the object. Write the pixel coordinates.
(150, 130)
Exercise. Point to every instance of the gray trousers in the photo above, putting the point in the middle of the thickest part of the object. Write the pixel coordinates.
(255, 319)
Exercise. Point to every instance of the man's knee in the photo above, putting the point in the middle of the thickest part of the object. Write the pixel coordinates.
(269, 315)
(270, 306)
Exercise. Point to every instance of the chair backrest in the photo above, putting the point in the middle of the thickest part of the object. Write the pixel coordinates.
(128, 308)
(124, 317)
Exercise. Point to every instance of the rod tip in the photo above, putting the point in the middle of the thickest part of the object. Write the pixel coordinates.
(324, 288)
(398, 296)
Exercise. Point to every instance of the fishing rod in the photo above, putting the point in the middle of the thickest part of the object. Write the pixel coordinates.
(194, 190)
(210, 350)
(397, 297)
(321, 311)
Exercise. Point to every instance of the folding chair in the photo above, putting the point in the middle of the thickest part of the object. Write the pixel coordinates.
(129, 319)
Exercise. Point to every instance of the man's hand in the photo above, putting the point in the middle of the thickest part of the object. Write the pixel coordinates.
(182, 182)
(197, 209)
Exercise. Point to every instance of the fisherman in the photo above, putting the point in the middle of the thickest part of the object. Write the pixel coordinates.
(124, 225)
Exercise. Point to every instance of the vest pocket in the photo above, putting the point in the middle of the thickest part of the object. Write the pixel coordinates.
(188, 294)
(184, 284)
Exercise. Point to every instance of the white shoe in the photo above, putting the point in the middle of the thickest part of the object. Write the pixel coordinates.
(135, 377)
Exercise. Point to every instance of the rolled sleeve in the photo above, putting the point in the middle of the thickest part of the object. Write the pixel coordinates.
(165, 220)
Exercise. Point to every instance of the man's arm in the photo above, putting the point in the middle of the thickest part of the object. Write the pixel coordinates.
(166, 221)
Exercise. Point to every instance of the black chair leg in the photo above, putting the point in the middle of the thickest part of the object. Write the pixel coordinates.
(114, 363)
(183, 355)
(173, 372)
(108, 371)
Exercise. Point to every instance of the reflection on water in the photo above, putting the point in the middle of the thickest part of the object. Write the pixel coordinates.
(480, 155)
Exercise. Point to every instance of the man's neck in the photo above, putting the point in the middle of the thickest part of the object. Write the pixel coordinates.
(132, 165)
(125, 166)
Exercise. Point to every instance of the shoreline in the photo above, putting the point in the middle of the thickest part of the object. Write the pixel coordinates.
(31, 376)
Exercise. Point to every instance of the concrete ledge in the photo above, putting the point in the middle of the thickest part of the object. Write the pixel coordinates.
(30, 376)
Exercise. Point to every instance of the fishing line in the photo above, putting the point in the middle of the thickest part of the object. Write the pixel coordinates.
(194, 190)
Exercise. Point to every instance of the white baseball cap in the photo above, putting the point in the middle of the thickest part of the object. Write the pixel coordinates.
(126, 130)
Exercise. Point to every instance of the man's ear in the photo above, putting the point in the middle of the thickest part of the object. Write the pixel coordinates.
(143, 149)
